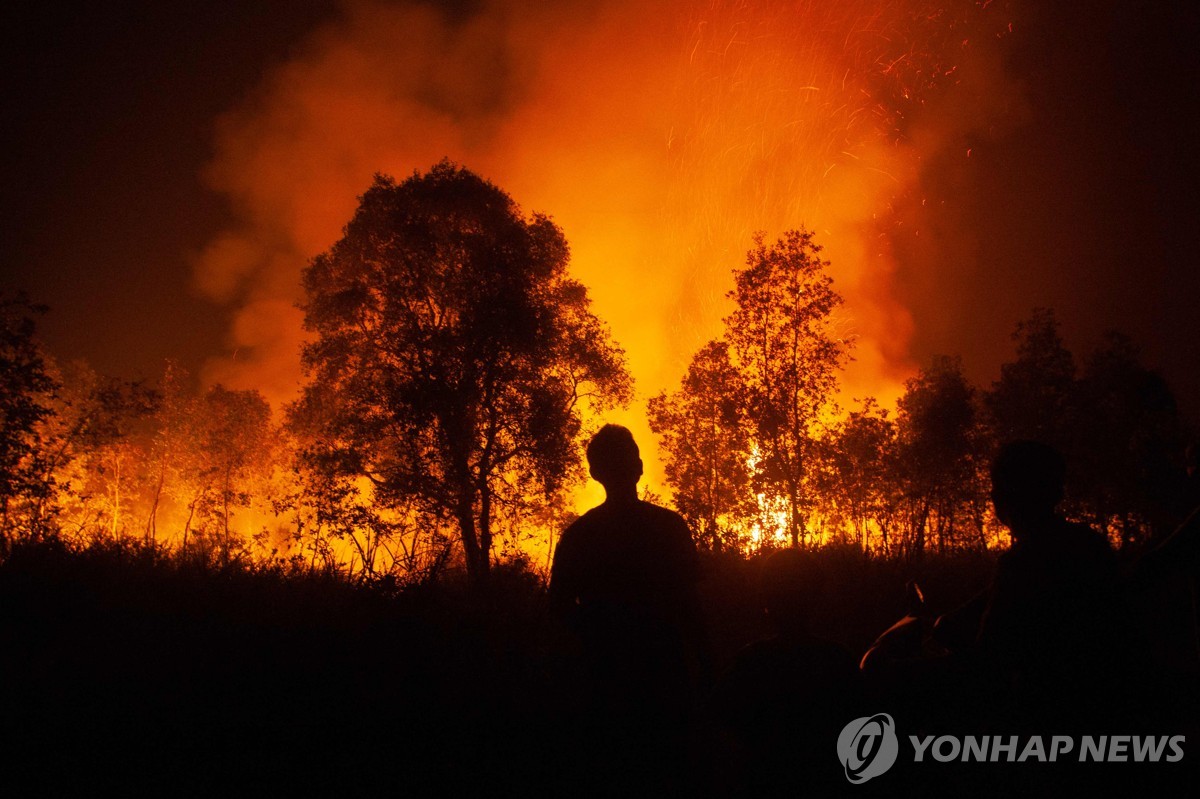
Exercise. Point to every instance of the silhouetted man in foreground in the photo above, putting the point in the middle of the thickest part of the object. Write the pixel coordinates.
(624, 579)
(1052, 625)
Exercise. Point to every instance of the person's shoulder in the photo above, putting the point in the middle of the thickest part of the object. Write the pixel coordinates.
(667, 522)
(667, 534)
(592, 517)
(580, 527)
(659, 510)
(663, 516)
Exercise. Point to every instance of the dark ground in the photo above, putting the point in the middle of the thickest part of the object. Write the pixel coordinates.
(120, 667)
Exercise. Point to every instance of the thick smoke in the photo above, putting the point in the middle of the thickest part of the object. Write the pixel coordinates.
(659, 136)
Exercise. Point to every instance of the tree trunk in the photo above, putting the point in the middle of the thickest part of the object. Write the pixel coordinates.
(4, 527)
(470, 539)
(187, 525)
(941, 529)
(225, 517)
(795, 521)
(919, 531)
(485, 529)
(152, 521)
(116, 509)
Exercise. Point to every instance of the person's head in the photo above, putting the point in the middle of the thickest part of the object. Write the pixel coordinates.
(613, 458)
(1027, 484)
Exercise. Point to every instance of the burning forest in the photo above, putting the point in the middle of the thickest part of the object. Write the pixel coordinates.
(455, 368)
(529, 371)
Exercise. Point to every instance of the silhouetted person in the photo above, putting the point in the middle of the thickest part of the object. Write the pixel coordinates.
(786, 698)
(624, 579)
(1052, 625)
(1168, 575)
(1180, 548)
(1173, 568)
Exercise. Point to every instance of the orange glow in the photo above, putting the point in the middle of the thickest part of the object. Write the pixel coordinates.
(659, 140)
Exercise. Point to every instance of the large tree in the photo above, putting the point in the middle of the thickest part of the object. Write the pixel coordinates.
(452, 355)
(783, 340)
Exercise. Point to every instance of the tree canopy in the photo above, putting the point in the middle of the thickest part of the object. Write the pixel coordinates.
(26, 387)
(781, 334)
(452, 355)
(744, 426)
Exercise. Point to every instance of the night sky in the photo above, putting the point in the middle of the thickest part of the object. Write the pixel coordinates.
(111, 120)
(1083, 199)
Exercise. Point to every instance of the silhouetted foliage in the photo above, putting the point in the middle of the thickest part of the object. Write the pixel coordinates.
(1034, 397)
(942, 454)
(743, 433)
(230, 458)
(1116, 422)
(858, 485)
(26, 390)
(782, 338)
(95, 451)
(1127, 440)
(452, 355)
(903, 483)
(706, 446)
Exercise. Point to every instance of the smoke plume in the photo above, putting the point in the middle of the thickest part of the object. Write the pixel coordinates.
(659, 136)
